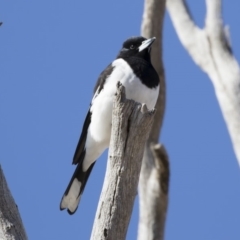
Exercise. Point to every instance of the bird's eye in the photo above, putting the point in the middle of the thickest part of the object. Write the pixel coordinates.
(132, 47)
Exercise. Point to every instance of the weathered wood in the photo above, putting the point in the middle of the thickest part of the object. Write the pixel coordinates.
(152, 25)
(153, 200)
(211, 51)
(11, 226)
(154, 195)
(131, 123)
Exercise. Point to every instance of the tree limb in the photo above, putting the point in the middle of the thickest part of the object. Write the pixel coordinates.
(152, 23)
(210, 49)
(153, 197)
(131, 123)
(11, 226)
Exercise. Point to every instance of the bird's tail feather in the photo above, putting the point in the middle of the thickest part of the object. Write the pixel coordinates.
(72, 195)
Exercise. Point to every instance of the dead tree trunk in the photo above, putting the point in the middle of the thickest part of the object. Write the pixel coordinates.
(131, 123)
(211, 51)
(154, 178)
(11, 226)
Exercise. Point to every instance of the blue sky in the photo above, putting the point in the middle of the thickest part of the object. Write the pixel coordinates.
(51, 55)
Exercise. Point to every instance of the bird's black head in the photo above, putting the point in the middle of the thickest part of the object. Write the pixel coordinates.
(136, 47)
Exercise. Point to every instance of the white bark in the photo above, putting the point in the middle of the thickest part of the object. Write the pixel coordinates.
(210, 49)
(131, 123)
(154, 194)
(154, 177)
(11, 227)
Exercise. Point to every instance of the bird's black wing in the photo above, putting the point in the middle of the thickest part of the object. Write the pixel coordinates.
(80, 150)
(102, 78)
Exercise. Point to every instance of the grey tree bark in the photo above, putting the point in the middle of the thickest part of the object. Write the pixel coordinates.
(11, 226)
(211, 51)
(154, 177)
(131, 123)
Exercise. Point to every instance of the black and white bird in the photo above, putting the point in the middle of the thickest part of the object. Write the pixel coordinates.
(134, 70)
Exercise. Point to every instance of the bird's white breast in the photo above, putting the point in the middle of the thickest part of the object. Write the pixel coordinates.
(101, 109)
(135, 89)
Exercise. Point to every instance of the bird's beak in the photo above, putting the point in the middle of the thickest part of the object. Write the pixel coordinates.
(146, 44)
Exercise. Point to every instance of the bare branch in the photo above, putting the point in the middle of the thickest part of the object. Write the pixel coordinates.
(131, 123)
(152, 199)
(211, 51)
(152, 27)
(191, 36)
(214, 15)
(11, 227)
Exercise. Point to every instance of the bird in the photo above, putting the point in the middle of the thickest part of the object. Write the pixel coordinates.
(134, 70)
